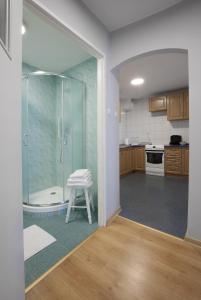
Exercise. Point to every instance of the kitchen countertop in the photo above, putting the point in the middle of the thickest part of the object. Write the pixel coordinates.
(122, 146)
(177, 146)
(130, 146)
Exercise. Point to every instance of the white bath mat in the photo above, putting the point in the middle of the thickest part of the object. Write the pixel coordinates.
(35, 240)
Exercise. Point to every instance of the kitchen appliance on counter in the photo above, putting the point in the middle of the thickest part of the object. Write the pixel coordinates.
(175, 139)
(154, 160)
(131, 141)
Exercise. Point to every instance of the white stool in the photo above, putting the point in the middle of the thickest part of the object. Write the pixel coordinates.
(72, 197)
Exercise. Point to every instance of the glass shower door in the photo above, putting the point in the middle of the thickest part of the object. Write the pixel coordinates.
(42, 138)
(53, 135)
(25, 135)
(74, 127)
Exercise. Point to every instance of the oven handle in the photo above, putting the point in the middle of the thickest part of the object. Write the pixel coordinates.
(154, 151)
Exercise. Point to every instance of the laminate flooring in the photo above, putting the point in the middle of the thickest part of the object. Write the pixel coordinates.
(125, 261)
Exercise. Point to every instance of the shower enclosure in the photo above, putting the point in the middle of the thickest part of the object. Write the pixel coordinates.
(53, 137)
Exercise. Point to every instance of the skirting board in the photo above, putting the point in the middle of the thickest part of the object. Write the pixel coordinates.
(111, 219)
(192, 241)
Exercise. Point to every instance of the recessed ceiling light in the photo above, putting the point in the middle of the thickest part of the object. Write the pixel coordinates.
(137, 81)
(39, 72)
(23, 29)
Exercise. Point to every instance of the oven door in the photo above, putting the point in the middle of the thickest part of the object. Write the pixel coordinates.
(154, 157)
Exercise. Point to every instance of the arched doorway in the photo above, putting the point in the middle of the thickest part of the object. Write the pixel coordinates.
(154, 139)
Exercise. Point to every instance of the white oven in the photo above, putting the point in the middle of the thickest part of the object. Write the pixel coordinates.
(154, 160)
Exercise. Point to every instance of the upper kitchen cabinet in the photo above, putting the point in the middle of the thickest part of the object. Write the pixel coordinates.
(157, 103)
(178, 105)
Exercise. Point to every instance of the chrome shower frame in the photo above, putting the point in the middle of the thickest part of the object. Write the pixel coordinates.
(57, 205)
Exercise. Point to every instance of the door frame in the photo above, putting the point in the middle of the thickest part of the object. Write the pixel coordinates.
(101, 98)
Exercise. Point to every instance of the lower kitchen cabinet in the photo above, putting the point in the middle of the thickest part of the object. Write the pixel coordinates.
(132, 159)
(125, 161)
(185, 161)
(176, 161)
(140, 159)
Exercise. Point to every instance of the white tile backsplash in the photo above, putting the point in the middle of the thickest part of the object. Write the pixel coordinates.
(139, 122)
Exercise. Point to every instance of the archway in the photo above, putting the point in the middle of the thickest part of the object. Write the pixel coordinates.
(166, 73)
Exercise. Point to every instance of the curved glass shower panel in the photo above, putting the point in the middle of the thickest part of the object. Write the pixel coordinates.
(25, 136)
(53, 122)
(42, 102)
(74, 127)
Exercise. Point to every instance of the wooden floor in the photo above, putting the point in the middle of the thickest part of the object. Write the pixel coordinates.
(126, 261)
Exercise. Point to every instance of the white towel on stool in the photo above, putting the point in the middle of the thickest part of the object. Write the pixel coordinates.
(85, 178)
(80, 177)
(80, 183)
(80, 173)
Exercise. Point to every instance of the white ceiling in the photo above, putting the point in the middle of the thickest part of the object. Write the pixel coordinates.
(115, 14)
(161, 71)
(47, 48)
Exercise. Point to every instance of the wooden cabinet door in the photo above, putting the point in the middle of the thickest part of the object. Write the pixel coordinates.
(185, 161)
(157, 104)
(186, 105)
(140, 159)
(128, 160)
(133, 159)
(173, 167)
(173, 161)
(175, 106)
(125, 161)
(122, 162)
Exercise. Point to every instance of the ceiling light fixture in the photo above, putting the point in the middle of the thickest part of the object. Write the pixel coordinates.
(39, 72)
(23, 29)
(137, 81)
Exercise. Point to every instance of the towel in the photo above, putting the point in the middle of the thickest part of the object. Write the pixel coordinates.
(85, 177)
(80, 177)
(80, 173)
(79, 183)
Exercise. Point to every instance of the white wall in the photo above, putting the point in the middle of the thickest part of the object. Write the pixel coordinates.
(11, 238)
(150, 127)
(178, 27)
(74, 15)
(113, 197)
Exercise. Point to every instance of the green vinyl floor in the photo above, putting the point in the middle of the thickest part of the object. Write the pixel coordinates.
(67, 236)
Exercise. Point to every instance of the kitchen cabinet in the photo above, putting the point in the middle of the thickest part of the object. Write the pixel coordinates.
(157, 103)
(178, 105)
(125, 161)
(175, 103)
(176, 161)
(122, 162)
(140, 159)
(185, 161)
(173, 161)
(132, 159)
(186, 105)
